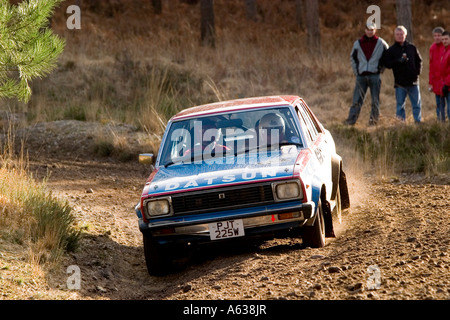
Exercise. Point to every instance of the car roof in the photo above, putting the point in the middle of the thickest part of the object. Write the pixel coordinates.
(235, 105)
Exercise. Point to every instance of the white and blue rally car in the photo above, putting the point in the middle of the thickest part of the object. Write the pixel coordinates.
(241, 168)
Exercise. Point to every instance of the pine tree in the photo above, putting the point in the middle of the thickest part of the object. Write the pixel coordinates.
(28, 48)
(404, 17)
(313, 25)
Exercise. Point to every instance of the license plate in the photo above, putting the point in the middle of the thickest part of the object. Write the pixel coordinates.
(226, 229)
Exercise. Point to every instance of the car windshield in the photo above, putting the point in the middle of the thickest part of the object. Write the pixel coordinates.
(229, 134)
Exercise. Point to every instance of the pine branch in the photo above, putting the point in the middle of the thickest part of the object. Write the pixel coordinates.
(28, 50)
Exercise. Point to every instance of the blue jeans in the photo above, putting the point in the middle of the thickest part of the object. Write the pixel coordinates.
(363, 83)
(413, 93)
(438, 106)
(441, 107)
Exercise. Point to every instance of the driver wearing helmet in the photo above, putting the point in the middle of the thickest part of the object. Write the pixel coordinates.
(271, 126)
(272, 131)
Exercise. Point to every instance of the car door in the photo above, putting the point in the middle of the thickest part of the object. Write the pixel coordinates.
(319, 146)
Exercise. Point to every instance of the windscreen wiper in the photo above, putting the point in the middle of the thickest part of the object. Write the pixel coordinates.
(169, 164)
(297, 144)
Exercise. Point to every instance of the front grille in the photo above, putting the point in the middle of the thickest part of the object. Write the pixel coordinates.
(223, 198)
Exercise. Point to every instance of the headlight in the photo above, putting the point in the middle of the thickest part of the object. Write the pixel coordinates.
(288, 190)
(158, 207)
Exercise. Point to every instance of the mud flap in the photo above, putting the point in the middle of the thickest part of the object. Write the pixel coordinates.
(335, 174)
(328, 220)
(343, 189)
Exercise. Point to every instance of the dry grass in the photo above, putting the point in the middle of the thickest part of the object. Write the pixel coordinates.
(133, 66)
(129, 65)
(36, 228)
(421, 148)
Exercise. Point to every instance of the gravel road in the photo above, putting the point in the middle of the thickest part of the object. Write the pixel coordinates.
(393, 243)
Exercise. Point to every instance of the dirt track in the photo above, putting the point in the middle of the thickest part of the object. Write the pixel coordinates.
(401, 226)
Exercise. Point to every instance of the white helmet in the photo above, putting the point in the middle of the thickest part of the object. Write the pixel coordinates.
(272, 121)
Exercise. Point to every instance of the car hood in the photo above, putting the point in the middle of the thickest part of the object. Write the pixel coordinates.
(253, 168)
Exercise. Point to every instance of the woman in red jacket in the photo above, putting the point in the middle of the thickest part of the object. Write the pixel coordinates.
(445, 75)
(436, 52)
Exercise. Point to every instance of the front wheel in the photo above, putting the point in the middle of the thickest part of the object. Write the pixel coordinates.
(314, 236)
(157, 260)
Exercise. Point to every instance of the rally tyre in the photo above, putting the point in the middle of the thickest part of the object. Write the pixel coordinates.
(157, 260)
(314, 236)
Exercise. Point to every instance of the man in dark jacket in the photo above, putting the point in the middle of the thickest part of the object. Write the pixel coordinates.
(406, 63)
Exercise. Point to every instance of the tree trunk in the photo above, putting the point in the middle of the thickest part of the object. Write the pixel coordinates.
(251, 9)
(313, 25)
(404, 16)
(299, 10)
(208, 33)
(157, 6)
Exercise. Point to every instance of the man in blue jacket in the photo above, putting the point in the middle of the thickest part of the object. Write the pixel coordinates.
(406, 63)
(365, 59)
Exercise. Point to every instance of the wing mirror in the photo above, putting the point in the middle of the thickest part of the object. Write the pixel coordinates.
(147, 159)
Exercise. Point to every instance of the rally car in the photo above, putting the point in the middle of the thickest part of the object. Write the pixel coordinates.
(237, 169)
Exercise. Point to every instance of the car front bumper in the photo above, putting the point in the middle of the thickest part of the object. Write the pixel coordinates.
(260, 219)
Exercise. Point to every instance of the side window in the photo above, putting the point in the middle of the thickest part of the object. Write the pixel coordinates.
(313, 119)
(304, 125)
(309, 125)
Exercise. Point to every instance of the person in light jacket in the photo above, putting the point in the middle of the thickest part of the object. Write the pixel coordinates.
(365, 58)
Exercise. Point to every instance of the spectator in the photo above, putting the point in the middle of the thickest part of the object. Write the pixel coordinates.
(365, 61)
(436, 52)
(406, 63)
(445, 75)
